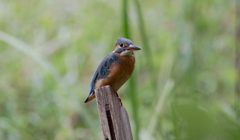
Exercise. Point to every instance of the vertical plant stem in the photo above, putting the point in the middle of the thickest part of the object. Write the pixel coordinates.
(125, 19)
(176, 130)
(131, 80)
(134, 105)
(237, 55)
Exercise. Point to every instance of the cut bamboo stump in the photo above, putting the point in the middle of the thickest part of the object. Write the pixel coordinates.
(114, 118)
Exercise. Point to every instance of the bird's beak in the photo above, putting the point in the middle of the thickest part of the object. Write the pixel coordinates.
(133, 48)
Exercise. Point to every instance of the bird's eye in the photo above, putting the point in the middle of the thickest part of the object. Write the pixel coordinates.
(121, 45)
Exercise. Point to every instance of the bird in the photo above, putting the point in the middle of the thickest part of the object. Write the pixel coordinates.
(115, 69)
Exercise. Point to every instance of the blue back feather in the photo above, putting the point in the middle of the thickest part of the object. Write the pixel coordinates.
(102, 71)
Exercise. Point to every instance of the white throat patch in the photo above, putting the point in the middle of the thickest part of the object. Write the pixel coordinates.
(126, 53)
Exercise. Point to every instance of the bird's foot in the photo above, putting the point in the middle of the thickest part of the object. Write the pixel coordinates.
(120, 100)
(118, 97)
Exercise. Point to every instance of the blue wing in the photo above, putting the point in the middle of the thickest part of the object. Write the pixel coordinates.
(102, 71)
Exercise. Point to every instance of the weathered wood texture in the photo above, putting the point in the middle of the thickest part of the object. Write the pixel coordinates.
(114, 118)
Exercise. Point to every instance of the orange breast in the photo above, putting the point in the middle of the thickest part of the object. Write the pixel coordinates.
(119, 73)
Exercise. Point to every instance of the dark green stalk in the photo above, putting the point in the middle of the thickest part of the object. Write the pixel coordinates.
(125, 19)
(131, 80)
(175, 131)
(146, 46)
(134, 105)
(237, 57)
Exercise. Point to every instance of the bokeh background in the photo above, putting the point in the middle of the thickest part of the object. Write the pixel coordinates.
(184, 85)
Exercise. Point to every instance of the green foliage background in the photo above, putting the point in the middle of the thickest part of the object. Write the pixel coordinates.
(184, 80)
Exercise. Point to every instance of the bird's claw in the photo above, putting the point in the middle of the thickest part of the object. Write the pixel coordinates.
(120, 100)
(118, 97)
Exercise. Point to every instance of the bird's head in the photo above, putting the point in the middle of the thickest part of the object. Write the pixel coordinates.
(125, 47)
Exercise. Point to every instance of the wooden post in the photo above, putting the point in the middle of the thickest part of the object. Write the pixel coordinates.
(114, 118)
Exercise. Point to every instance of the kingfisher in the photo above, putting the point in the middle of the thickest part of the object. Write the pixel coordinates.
(115, 69)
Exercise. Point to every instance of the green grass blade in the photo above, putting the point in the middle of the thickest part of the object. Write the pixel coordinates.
(132, 90)
(146, 48)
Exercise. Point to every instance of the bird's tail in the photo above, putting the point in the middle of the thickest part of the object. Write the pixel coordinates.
(86, 100)
(90, 97)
